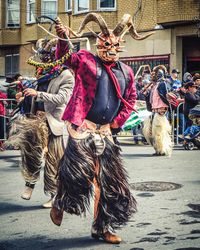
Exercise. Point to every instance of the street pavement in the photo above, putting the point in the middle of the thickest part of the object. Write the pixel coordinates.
(166, 220)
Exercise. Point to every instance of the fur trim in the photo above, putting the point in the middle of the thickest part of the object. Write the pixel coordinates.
(157, 132)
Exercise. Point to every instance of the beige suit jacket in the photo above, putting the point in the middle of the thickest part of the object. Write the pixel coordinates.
(55, 100)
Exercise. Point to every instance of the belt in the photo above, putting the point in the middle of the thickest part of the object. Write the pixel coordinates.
(88, 128)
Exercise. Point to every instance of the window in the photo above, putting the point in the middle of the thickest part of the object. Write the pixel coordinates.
(30, 11)
(49, 8)
(68, 5)
(12, 13)
(106, 4)
(11, 64)
(81, 6)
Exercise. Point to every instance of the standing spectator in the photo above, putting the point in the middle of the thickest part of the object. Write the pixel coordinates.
(2, 120)
(196, 80)
(174, 81)
(191, 100)
(14, 88)
(139, 88)
(146, 75)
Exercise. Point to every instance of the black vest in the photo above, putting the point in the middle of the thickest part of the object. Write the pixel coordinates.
(106, 104)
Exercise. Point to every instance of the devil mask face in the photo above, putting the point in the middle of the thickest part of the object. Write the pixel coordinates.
(108, 48)
(108, 41)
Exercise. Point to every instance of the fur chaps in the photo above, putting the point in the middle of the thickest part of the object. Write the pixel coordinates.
(31, 136)
(157, 131)
(76, 175)
(38, 147)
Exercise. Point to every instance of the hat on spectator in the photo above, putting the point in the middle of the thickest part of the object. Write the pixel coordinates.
(175, 71)
(196, 77)
(190, 84)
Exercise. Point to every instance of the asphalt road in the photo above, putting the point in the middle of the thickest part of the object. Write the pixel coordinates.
(166, 220)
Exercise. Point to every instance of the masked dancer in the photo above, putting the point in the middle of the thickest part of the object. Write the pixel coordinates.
(103, 98)
(40, 133)
(157, 129)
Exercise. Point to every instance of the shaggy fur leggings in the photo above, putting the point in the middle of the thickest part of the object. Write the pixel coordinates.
(94, 161)
(38, 147)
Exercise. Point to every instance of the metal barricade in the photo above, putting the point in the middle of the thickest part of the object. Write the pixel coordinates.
(178, 124)
(8, 105)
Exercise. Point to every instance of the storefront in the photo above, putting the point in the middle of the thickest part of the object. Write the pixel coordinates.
(152, 61)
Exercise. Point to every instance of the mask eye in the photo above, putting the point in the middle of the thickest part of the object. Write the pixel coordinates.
(107, 44)
(117, 45)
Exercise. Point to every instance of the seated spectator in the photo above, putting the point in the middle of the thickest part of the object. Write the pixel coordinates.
(191, 131)
(191, 100)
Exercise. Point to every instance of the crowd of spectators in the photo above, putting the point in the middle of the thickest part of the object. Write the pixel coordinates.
(185, 94)
(11, 102)
(186, 91)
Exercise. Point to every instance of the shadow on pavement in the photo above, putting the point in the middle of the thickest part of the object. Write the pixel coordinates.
(42, 242)
(6, 208)
(136, 155)
(4, 157)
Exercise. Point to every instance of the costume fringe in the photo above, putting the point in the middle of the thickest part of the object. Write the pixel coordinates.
(158, 133)
(116, 204)
(53, 156)
(30, 135)
(76, 174)
(161, 132)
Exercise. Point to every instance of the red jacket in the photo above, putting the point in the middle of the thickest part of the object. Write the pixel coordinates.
(84, 65)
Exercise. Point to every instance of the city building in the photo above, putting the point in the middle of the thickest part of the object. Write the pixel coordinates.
(175, 43)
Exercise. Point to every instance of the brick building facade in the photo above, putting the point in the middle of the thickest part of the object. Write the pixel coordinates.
(175, 22)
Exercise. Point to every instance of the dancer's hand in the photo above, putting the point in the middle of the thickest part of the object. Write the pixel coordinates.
(30, 92)
(61, 29)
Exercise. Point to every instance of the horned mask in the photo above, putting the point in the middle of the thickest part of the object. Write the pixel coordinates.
(109, 41)
(45, 49)
(158, 72)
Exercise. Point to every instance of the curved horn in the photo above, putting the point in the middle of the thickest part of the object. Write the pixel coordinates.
(97, 19)
(34, 50)
(122, 24)
(127, 21)
(39, 43)
(137, 36)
